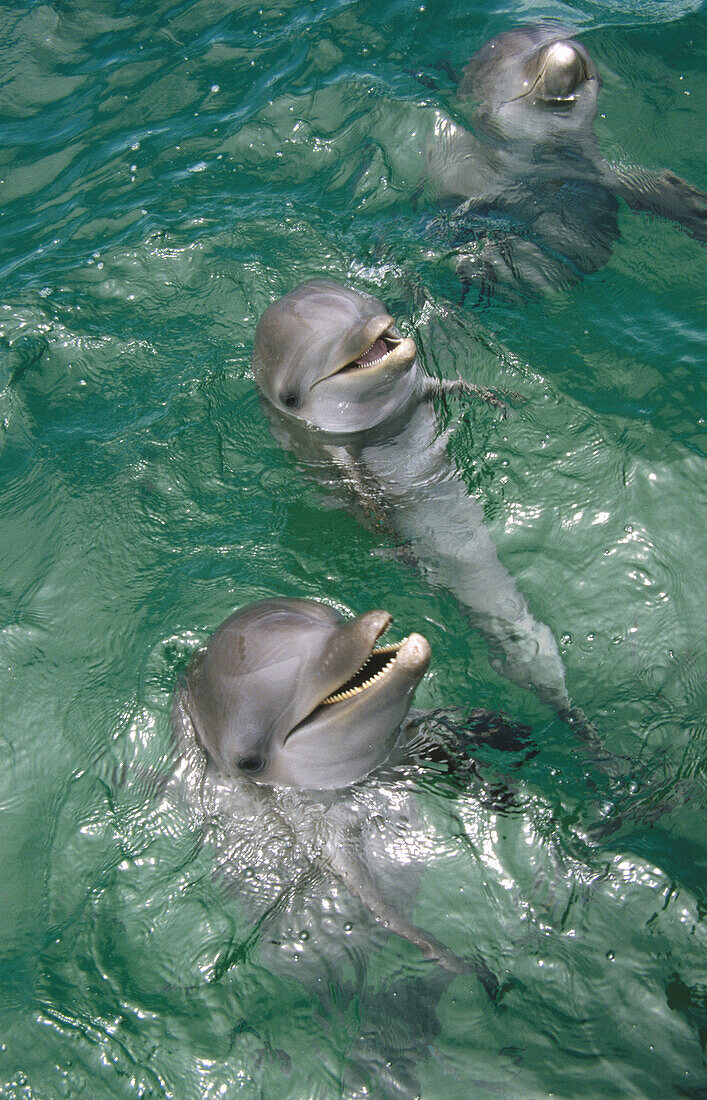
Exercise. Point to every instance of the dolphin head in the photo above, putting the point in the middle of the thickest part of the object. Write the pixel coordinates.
(288, 692)
(333, 357)
(532, 82)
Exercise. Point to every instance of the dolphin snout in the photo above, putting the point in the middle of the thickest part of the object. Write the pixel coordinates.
(376, 326)
(415, 653)
(374, 623)
(563, 72)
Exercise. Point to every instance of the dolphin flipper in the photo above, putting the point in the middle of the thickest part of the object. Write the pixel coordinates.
(459, 387)
(358, 881)
(511, 263)
(665, 194)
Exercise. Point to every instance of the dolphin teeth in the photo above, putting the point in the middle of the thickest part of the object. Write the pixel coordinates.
(376, 351)
(362, 685)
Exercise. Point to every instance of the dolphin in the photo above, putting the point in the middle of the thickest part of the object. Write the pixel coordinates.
(294, 723)
(289, 693)
(344, 391)
(535, 205)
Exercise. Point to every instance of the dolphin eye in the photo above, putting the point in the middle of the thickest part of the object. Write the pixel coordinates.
(291, 400)
(251, 764)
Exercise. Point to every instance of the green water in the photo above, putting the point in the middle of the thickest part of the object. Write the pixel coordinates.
(166, 171)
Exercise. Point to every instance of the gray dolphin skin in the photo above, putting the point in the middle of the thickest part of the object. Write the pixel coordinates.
(281, 718)
(345, 393)
(537, 202)
(289, 693)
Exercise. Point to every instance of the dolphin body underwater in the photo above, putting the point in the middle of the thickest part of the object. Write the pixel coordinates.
(295, 731)
(344, 391)
(537, 203)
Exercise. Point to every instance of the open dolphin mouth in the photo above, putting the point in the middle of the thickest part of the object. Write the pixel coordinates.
(379, 350)
(388, 349)
(378, 664)
(557, 103)
(376, 667)
(546, 101)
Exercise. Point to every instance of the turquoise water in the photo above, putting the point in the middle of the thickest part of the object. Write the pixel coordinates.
(167, 170)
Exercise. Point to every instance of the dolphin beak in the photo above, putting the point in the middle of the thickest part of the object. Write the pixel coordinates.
(410, 656)
(377, 665)
(381, 349)
(563, 72)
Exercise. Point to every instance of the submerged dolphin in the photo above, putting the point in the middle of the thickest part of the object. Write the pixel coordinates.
(308, 868)
(345, 392)
(538, 202)
(281, 717)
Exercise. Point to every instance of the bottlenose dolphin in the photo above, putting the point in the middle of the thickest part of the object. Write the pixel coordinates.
(288, 692)
(280, 719)
(537, 201)
(345, 392)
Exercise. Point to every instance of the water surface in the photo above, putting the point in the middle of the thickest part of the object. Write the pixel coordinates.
(167, 170)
